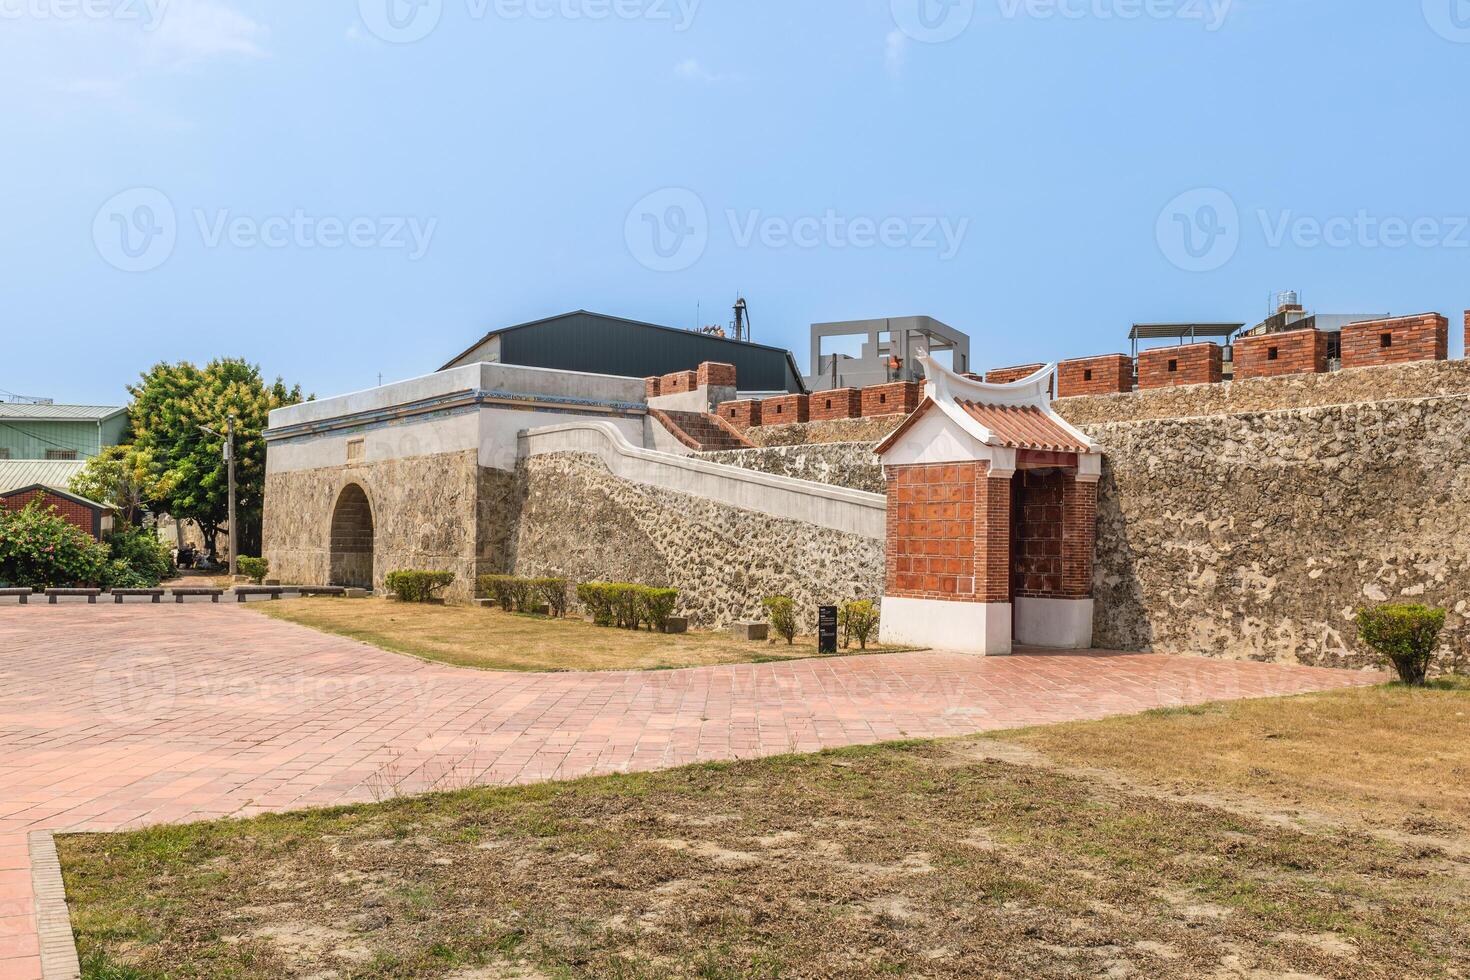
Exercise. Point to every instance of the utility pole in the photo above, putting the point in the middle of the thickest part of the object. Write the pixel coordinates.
(230, 461)
(229, 437)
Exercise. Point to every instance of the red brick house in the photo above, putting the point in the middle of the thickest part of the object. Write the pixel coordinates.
(88, 515)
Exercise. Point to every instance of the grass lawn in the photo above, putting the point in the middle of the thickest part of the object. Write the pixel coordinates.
(467, 636)
(964, 858)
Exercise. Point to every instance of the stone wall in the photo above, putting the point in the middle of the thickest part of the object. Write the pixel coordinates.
(442, 512)
(1421, 380)
(575, 519)
(871, 431)
(1257, 535)
(840, 464)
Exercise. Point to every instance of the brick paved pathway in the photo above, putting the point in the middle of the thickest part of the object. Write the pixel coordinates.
(121, 716)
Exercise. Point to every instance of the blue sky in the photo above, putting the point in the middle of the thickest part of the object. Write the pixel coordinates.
(317, 187)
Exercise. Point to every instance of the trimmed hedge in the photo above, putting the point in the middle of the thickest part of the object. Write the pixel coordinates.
(1405, 634)
(256, 569)
(627, 606)
(412, 585)
(516, 594)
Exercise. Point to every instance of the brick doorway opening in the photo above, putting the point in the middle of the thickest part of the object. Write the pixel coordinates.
(352, 539)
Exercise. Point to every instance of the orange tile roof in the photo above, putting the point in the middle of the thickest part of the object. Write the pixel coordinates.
(1023, 427)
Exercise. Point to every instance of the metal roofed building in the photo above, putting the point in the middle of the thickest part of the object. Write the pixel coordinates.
(593, 343)
(49, 444)
(888, 351)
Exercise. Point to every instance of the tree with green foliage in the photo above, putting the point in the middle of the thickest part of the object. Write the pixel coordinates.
(40, 549)
(108, 478)
(1405, 634)
(180, 468)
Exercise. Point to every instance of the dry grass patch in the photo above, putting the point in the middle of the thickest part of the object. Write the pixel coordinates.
(467, 636)
(1395, 758)
(918, 860)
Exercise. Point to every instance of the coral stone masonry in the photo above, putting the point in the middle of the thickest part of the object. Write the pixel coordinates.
(1396, 341)
(1191, 364)
(1109, 374)
(1273, 354)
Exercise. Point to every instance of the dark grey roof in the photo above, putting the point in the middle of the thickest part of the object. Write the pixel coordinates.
(1170, 331)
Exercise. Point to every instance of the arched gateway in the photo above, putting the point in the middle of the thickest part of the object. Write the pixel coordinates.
(352, 539)
(992, 519)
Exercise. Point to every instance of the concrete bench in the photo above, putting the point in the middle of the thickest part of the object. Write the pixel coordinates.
(24, 595)
(118, 595)
(244, 592)
(214, 594)
(310, 590)
(89, 594)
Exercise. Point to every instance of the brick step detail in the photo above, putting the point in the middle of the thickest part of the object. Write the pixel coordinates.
(701, 432)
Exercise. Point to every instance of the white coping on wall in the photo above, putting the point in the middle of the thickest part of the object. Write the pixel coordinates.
(837, 508)
(1058, 624)
(528, 381)
(982, 628)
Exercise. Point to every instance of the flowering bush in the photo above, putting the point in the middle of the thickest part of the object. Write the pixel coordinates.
(39, 549)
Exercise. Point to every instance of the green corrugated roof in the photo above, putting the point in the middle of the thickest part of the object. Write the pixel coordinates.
(59, 413)
(17, 473)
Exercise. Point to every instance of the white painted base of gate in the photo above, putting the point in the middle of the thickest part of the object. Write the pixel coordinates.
(1058, 624)
(965, 627)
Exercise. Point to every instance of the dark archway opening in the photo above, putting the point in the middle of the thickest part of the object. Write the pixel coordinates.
(352, 539)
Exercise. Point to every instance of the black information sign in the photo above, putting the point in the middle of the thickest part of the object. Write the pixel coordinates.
(827, 629)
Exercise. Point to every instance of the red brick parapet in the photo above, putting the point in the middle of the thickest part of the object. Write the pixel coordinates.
(679, 382)
(741, 414)
(1191, 364)
(1275, 354)
(899, 398)
(785, 409)
(839, 403)
(713, 374)
(1109, 374)
(1425, 337)
(1004, 376)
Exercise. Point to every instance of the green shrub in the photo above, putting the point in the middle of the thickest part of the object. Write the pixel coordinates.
(553, 592)
(658, 606)
(417, 586)
(497, 587)
(627, 606)
(1404, 634)
(256, 569)
(783, 616)
(38, 548)
(146, 558)
(595, 598)
(859, 620)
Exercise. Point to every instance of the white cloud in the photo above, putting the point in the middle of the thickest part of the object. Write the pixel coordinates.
(896, 52)
(191, 31)
(694, 71)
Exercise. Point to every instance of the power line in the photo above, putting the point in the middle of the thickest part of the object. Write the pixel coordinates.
(49, 442)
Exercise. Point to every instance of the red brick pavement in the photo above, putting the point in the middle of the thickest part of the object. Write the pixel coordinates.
(122, 716)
